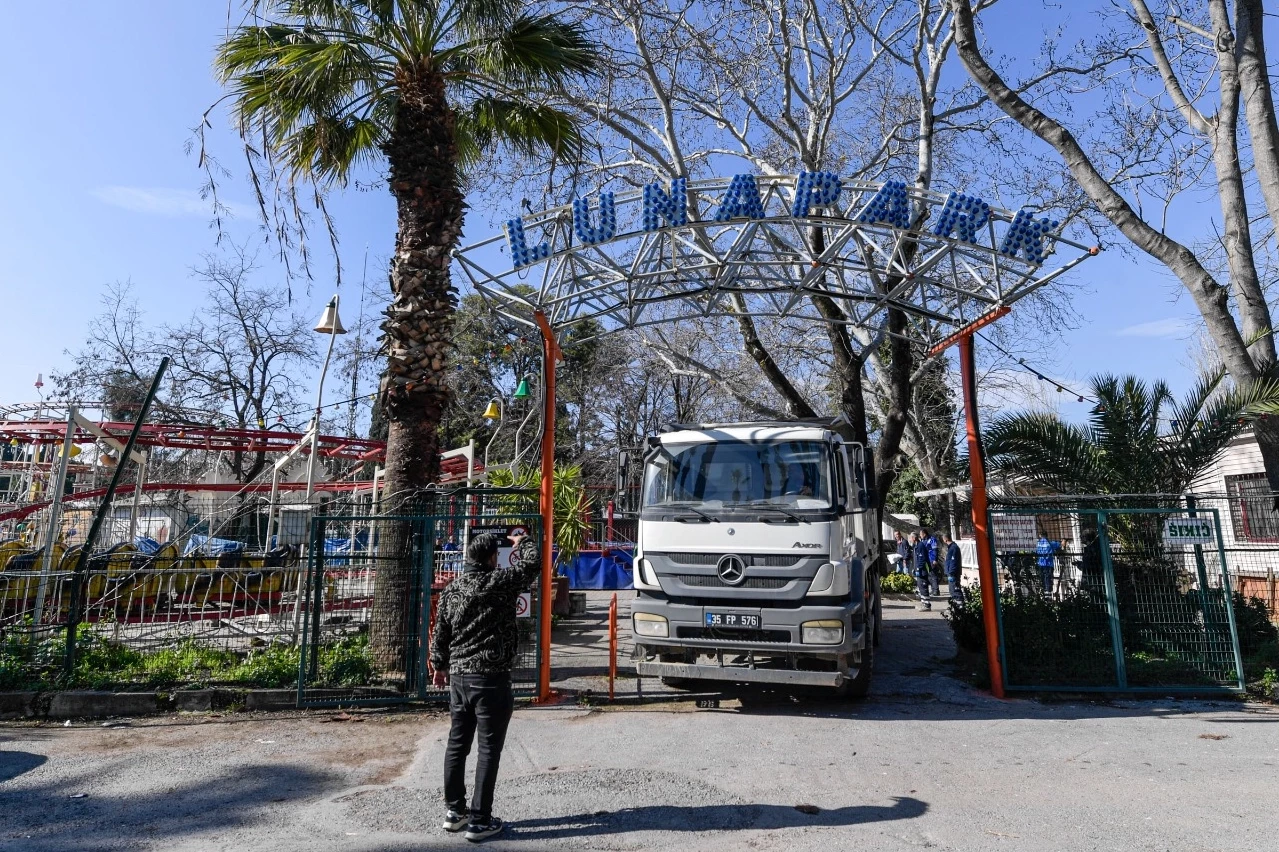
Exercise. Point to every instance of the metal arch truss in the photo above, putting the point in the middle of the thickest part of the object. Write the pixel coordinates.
(765, 266)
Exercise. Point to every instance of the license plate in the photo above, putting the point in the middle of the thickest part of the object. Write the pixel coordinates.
(732, 620)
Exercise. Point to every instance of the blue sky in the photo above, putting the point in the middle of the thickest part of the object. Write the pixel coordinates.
(98, 188)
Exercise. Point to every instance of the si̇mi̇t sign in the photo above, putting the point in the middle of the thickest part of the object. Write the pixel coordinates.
(1189, 531)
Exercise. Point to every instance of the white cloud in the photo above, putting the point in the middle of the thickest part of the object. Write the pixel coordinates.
(160, 201)
(1170, 327)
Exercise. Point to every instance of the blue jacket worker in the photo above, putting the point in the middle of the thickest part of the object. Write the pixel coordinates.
(934, 566)
(923, 570)
(954, 568)
(1045, 552)
(473, 649)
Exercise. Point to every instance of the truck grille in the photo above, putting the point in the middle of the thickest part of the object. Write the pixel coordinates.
(770, 560)
(711, 581)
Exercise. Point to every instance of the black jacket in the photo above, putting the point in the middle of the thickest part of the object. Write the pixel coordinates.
(475, 630)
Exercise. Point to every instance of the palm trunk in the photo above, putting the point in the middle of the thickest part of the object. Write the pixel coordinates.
(418, 326)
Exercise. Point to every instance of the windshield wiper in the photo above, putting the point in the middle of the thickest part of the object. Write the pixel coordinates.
(772, 507)
(692, 509)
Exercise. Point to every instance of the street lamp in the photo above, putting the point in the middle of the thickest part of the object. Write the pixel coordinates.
(331, 325)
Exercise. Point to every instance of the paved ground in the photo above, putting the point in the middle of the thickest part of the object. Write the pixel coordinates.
(925, 763)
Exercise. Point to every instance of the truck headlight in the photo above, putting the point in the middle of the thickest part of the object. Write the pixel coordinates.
(647, 624)
(827, 632)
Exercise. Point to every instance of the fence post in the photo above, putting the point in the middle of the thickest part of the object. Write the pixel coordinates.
(1228, 599)
(1112, 600)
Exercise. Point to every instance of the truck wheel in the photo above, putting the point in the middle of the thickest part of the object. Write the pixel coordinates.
(879, 614)
(859, 687)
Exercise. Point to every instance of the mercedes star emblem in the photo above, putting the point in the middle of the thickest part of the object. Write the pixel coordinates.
(732, 570)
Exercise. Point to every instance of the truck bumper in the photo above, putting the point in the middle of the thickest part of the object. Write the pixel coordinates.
(779, 633)
(738, 674)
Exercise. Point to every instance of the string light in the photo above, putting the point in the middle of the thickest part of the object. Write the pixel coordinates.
(1038, 375)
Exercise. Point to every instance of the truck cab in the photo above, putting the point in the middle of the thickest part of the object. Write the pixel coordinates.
(755, 557)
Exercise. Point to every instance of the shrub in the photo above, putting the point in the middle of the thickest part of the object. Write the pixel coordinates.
(965, 620)
(897, 584)
(347, 662)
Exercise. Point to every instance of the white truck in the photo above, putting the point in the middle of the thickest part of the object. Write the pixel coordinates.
(757, 557)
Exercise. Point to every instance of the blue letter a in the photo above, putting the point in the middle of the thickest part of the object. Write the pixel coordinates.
(741, 200)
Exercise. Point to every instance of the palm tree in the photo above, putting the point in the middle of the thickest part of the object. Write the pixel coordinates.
(428, 85)
(1138, 439)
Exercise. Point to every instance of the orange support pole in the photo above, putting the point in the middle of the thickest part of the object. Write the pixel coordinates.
(977, 475)
(550, 355)
(612, 645)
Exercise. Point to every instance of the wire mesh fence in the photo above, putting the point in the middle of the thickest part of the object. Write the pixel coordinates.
(406, 560)
(208, 610)
(1116, 596)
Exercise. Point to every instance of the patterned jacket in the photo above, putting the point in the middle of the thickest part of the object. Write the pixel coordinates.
(475, 630)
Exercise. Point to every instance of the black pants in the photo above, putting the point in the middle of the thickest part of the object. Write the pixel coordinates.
(477, 703)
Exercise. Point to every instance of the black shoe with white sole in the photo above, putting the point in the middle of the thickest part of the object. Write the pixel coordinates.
(456, 820)
(480, 829)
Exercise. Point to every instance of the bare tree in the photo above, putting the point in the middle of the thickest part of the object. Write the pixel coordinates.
(778, 86)
(1184, 133)
(239, 361)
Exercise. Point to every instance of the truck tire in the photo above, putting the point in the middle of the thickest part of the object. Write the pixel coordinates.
(858, 687)
(879, 614)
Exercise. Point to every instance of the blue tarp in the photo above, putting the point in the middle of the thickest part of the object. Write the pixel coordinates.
(146, 545)
(211, 546)
(591, 569)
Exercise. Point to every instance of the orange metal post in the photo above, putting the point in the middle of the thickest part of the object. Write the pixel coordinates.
(977, 474)
(612, 645)
(550, 355)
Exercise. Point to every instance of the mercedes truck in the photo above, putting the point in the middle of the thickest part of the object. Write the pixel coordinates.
(756, 558)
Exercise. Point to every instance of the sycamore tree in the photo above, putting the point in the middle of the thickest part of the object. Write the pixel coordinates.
(1186, 115)
(418, 88)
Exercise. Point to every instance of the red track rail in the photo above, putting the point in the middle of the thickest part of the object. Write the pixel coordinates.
(210, 438)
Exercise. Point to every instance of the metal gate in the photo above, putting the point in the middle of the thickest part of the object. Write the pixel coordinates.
(368, 599)
(1114, 599)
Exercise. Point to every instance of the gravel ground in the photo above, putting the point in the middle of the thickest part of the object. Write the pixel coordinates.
(925, 763)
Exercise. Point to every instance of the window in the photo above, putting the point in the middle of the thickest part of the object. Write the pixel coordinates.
(1252, 510)
(740, 473)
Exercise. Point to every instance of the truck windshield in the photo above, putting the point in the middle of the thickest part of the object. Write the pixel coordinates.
(794, 474)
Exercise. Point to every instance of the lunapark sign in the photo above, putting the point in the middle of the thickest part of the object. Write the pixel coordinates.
(765, 246)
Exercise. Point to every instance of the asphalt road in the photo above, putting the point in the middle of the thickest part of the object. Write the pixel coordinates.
(925, 763)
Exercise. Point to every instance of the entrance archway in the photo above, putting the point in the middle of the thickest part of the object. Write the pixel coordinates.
(769, 246)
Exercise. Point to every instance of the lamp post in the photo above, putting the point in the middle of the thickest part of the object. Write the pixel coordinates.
(331, 325)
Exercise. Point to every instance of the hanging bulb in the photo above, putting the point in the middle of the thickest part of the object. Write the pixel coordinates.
(522, 392)
(492, 412)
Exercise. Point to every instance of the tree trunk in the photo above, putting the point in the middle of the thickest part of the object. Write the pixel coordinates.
(1259, 104)
(423, 177)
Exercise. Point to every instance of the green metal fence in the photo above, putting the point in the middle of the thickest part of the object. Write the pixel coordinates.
(382, 587)
(1114, 598)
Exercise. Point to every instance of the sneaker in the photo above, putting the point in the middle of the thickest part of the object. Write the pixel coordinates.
(456, 820)
(477, 831)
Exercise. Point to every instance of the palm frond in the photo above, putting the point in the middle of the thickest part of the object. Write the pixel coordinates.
(1048, 451)
(533, 50)
(527, 128)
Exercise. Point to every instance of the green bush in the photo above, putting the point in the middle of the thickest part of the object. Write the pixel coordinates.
(965, 620)
(1258, 636)
(347, 662)
(897, 584)
(101, 663)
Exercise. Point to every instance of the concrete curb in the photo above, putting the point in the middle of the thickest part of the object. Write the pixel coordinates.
(91, 704)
